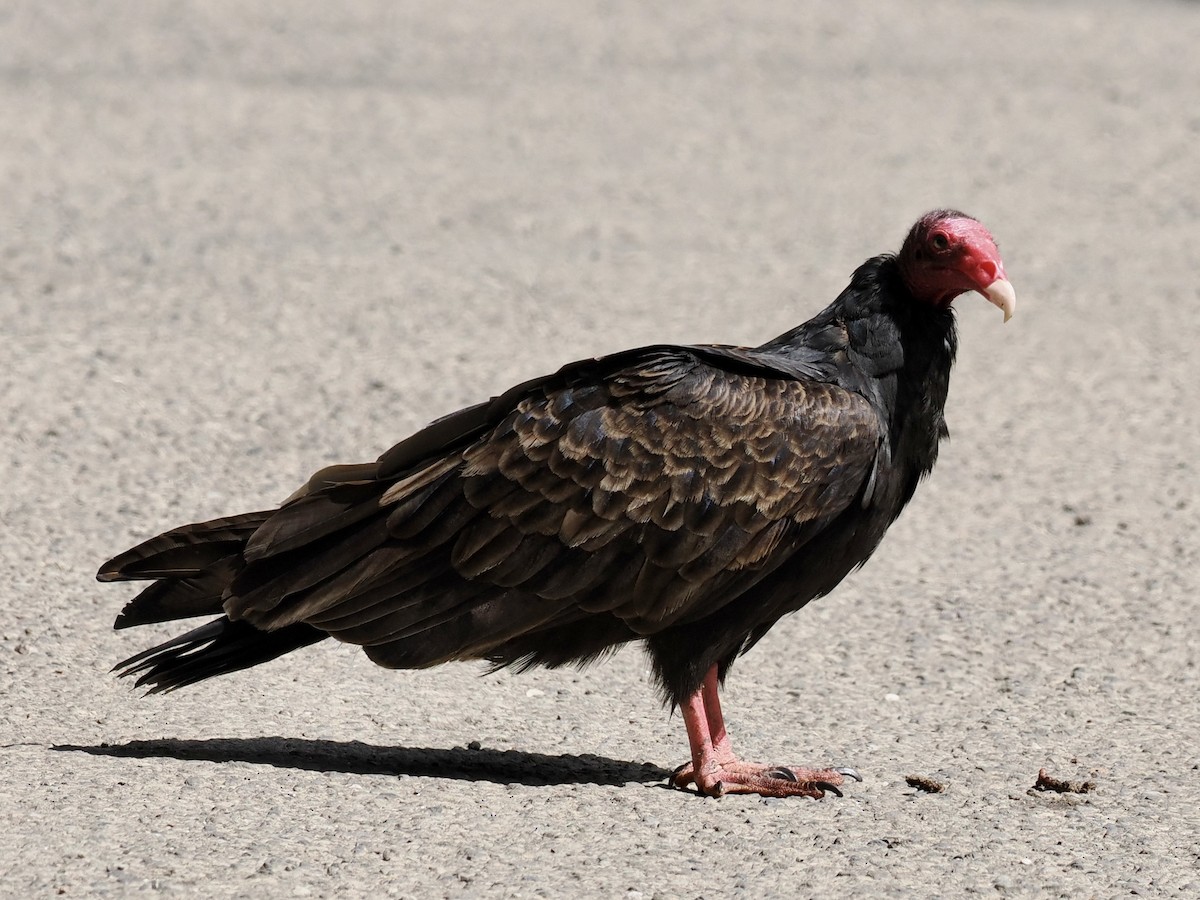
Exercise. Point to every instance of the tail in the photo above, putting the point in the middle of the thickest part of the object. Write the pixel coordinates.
(217, 648)
(191, 567)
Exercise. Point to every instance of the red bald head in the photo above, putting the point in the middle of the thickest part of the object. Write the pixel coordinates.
(948, 253)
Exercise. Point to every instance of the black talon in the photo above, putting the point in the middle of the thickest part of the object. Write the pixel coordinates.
(781, 772)
(849, 773)
(826, 786)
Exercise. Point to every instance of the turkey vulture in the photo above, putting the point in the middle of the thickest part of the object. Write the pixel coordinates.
(684, 496)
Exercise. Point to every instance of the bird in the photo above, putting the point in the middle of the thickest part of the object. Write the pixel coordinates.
(684, 496)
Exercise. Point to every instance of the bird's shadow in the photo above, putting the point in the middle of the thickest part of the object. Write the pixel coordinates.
(353, 757)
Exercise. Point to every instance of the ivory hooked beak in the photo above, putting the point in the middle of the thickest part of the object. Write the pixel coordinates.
(1001, 293)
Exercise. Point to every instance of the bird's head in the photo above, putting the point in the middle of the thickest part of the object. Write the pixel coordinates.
(948, 253)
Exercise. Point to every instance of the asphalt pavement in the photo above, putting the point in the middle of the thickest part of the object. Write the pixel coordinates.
(239, 242)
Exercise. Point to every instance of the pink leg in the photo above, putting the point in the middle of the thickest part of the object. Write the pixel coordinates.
(716, 770)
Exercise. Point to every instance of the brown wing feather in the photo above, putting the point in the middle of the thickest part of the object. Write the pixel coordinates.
(658, 493)
(701, 472)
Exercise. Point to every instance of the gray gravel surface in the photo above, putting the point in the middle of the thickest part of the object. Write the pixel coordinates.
(241, 241)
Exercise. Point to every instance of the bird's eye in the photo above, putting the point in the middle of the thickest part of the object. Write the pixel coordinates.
(939, 241)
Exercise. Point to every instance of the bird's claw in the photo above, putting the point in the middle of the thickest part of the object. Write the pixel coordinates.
(682, 776)
(831, 788)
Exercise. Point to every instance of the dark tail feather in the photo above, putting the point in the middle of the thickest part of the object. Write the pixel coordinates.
(179, 598)
(193, 566)
(185, 551)
(216, 648)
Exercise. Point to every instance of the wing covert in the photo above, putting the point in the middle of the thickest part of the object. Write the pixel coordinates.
(661, 490)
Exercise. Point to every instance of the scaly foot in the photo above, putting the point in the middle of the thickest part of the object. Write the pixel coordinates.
(716, 770)
(737, 777)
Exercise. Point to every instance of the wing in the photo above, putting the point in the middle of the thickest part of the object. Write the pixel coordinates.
(656, 485)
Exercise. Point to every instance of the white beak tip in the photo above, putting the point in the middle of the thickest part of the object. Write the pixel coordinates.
(1001, 293)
